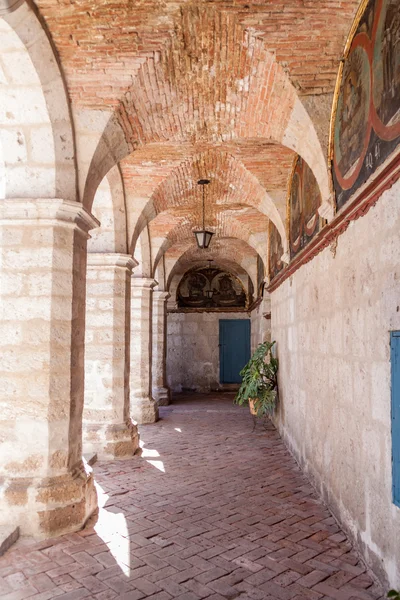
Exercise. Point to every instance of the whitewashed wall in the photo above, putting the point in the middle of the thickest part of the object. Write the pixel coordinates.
(331, 320)
(261, 326)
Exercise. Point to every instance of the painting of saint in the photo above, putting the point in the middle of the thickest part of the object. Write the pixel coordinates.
(295, 208)
(275, 251)
(352, 113)
(304, 201)
(311, 201)
(228, 290)
(210, 289)
(367, 125)
(386, 65)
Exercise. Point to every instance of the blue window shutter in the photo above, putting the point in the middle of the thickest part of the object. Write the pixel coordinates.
(395, 364)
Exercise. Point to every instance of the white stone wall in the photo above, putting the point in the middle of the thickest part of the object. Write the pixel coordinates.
(331, 320)
(25, 129)
(193, 351)
(260, 326)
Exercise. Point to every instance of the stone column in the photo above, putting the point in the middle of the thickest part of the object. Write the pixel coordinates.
(161, 392)
(144, 409)
(45, 488)
(108, 430)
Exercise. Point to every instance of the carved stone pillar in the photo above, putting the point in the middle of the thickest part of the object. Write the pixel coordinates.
(161, 392)
(108, 430)
(144, 409)
(46, 488)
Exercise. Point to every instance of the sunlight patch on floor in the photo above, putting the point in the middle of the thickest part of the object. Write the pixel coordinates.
(149, 454)
(112, 529)
(158, 464)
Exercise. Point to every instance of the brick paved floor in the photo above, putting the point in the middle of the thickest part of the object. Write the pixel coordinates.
(211, 510)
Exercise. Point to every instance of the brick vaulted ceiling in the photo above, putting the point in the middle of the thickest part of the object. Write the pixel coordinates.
(108, 41)
(203, 89)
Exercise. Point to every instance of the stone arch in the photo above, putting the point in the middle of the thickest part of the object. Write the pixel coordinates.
(109, 208)
(172, 226)
(226, 265)
(164, 104)
(8, 6)
(159, 276)
(224, 251)
(231, 183)
(143, 255)
(35, 119)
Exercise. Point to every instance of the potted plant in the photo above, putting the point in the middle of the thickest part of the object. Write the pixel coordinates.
(259, 386)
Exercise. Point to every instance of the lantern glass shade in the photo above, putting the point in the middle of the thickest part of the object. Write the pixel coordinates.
(209, 294)
(203, 238)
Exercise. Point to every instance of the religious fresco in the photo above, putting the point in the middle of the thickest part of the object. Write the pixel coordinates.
(275, 251)
(304, 201)
(210, 288)
(260, 277)
(367, 124)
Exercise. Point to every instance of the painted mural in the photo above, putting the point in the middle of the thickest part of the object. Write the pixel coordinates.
(304, 201)
(210, 288)
(367, 125)
(260, 277)
(275, 252)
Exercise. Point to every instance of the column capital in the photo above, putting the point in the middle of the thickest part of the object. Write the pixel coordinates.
(47, 210)
(143, 282)
(111, 259)
(161, 295)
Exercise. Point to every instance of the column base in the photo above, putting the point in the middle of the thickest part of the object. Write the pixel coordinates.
(162, 396)
(144, 410)
(110, 441)
(51, 506)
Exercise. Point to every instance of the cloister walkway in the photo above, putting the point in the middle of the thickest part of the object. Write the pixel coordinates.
(211, 510)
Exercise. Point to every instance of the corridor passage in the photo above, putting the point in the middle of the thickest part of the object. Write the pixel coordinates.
(211, 510)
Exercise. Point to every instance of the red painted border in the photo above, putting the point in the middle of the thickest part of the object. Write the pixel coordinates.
(358, 208)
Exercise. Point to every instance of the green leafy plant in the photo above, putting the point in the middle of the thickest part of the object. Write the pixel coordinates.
(260, 381)
(393, 594)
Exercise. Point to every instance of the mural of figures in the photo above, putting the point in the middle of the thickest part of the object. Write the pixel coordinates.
(304, 201)
(367, 125)
(275, 251)
(260, 277)
(210, 288)
(295, 209)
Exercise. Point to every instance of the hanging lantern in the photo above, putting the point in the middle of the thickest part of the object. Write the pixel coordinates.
(203, 237)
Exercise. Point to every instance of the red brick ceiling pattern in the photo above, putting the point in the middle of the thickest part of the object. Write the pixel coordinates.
(177, 225)
(201, 89)
(108, 41)
(232, 188)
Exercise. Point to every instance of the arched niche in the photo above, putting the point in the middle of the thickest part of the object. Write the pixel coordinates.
(35, 119)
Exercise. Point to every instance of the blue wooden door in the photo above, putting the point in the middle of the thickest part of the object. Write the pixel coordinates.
(234, 346)
(395, 364)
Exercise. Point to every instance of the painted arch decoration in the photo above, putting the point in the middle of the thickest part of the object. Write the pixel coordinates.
(303, 203)
(211, 288)
(275, 263)
(367, 125)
